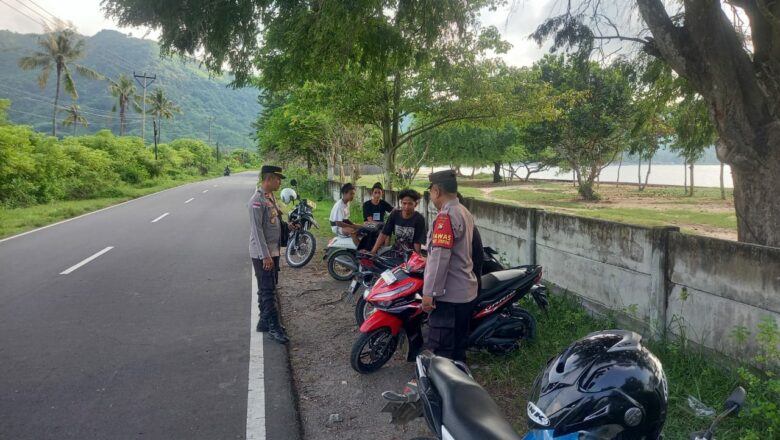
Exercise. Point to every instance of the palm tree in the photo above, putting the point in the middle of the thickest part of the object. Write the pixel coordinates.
(74, 118)
(59, 49)
(124, 90)
(161, 107)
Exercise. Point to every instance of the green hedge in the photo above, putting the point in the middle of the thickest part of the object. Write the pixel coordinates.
(35, 168)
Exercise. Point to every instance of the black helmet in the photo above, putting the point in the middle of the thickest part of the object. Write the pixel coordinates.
(605, 386)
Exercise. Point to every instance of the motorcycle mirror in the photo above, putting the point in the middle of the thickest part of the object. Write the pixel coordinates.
(736, 400)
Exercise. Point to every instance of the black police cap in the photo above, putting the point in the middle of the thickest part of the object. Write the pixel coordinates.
(272, 169)
(440, 177)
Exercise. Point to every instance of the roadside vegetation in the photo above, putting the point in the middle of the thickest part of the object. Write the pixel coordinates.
(44, 179)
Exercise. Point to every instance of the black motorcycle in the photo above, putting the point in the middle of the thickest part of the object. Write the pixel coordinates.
(301, 243)
(455, 406)
(226, 172)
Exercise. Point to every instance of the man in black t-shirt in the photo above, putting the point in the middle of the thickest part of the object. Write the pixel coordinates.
(374, 210)
(407, 224)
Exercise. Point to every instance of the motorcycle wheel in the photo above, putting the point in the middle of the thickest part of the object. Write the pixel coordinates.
(300, 250)
(363, 310)
(372, 350)
(528, 318)
(338, 271)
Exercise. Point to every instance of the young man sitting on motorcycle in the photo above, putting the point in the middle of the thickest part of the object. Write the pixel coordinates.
(407, 224)
(339, 214)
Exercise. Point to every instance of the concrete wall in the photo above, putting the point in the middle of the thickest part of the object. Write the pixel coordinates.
(658, 279)
(716, 286)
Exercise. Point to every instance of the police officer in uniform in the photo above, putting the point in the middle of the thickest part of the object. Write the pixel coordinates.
(450, 284)
(264, 248)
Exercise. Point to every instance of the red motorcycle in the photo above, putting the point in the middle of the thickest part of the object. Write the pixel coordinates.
(497, 323)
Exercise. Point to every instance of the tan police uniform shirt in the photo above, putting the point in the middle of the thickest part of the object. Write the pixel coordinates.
(449, 275)
(264, 225)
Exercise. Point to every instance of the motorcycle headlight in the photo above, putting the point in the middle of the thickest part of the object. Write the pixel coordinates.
(311, 204)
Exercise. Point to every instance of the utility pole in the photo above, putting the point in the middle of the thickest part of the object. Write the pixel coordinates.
(145, 84)
(211, 119)
(154, 122)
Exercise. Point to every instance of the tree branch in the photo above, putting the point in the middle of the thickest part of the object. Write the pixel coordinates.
(409, 135)
(668, 39)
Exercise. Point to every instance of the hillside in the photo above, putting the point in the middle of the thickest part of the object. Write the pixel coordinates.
(112, 53)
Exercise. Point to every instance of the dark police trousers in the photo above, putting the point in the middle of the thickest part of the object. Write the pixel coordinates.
(448, 333)
(266, 285)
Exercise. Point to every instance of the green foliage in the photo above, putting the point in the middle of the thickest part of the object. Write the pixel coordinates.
(589, 134)
(313, 186)
(58, 51)
(37, 169)
(113, 54)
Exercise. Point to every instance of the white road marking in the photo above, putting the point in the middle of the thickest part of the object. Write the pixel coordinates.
(216, 186)
(160, 217)
(255, 399)
(205, 191)
(188, 201)
(90, 213)
(87, 260)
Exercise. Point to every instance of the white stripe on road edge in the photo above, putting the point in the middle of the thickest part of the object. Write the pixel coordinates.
(160, 217)
(205, 191)
(188, 201)
(93, 212)
(72, 268)
(255, 399)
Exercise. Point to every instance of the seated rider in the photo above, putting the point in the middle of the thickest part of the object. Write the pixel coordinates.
(407, 224)
(339, 215)
(374, 210)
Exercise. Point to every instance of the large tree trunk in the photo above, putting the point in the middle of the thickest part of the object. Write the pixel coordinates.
(685, 182)
(649, 166)
(722, 187)
(742, 93)
(620, 164)
(496, 172)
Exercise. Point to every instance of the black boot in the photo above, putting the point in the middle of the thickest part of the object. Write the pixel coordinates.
(262, 324)
(275, 330)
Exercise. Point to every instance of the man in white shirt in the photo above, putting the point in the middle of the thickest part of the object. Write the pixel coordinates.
(339, 215)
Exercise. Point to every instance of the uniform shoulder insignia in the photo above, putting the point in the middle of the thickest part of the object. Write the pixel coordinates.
(442, 235)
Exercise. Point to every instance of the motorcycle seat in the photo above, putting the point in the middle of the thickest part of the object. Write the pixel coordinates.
(468, 411)
(495, 282)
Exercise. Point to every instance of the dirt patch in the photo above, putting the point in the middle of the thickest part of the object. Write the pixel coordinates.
(322, 330)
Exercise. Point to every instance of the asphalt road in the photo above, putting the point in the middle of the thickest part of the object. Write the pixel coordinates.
(150, 339)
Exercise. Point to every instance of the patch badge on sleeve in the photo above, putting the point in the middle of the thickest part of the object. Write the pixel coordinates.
(442, 235)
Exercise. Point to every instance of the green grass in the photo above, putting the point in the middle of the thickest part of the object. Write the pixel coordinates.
(18, 220)
(653, 217)
(689, 371)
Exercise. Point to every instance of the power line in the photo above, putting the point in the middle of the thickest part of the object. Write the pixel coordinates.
(44, 10)
(95, 112)
(45, 19)
(23, 13)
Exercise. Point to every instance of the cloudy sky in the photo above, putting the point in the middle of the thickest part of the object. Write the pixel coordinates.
(515, 21)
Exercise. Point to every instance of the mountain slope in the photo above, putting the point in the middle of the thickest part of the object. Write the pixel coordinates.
(111, 53)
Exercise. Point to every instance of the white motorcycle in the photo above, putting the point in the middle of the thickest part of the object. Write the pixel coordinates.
(341, 252)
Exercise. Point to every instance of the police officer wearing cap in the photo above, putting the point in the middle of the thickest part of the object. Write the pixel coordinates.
(264, 248)
(450, 284)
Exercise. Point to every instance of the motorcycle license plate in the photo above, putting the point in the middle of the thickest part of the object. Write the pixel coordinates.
(389, 277)
(353, 286)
